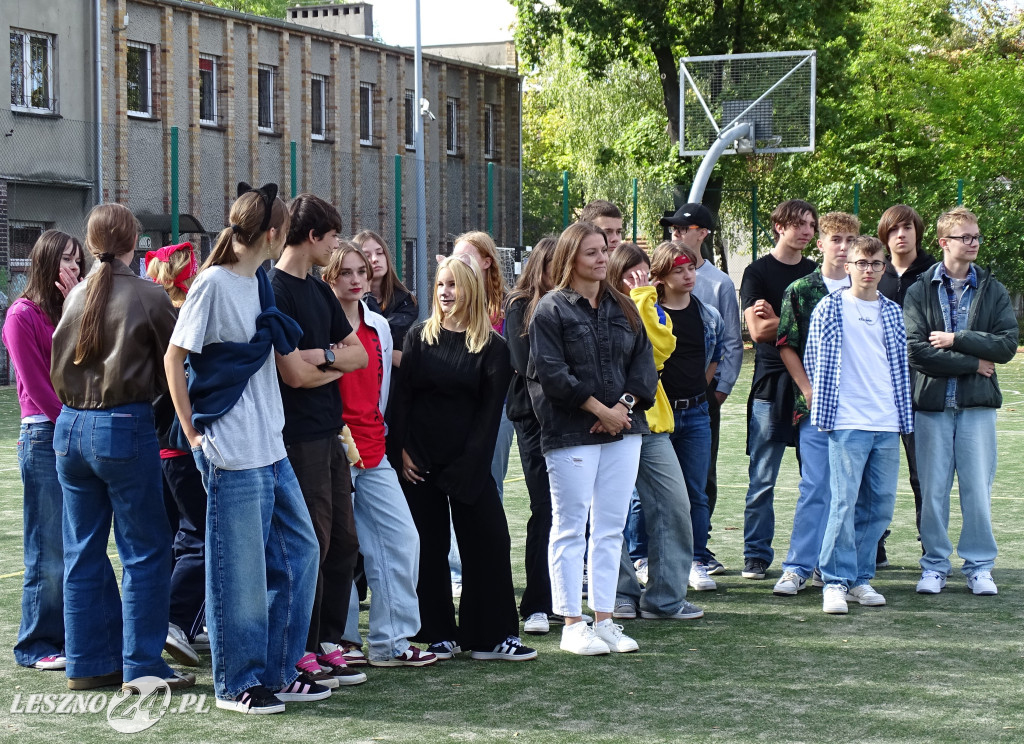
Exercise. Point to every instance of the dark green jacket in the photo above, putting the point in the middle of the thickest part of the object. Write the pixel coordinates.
(991, 333)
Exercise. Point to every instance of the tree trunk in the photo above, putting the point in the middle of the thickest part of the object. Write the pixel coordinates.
(669, 73)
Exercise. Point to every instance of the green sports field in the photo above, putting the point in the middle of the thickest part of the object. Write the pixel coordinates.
(943, 668)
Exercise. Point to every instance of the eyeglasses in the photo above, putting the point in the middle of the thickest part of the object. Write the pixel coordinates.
(967, 239)
(863, 265)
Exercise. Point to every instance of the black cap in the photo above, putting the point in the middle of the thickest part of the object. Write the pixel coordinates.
(691, 214)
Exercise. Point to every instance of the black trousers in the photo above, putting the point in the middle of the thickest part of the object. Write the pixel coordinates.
(487, 611)
(915, 483)
(537, 595)
(183, 484)
(321, 468)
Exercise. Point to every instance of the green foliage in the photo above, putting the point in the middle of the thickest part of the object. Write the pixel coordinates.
(269, 8)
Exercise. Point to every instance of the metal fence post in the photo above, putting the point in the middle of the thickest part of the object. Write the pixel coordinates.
(565, 199)
(174, 185)
(295, 180)
(753, 218)
(490, 199)
(856, 198)
(959, 192)
(634, 208)
(398, 217)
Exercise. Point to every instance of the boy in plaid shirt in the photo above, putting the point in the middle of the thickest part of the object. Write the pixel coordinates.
(856, 359)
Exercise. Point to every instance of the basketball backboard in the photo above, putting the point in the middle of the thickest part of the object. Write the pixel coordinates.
(772, 91)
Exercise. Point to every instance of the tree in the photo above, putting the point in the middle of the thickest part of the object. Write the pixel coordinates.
(269, 8)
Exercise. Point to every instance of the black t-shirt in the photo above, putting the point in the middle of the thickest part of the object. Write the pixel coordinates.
(767, 279)
(310, 413)
(683, 375)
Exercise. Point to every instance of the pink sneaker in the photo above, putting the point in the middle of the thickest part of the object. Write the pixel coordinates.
(308, 665)
(54, 661)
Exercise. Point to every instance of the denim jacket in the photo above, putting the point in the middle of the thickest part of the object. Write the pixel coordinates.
(577, 352)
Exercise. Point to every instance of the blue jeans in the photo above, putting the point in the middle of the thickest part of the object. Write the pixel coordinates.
(261, 570)
(42, 594)
(635, 534)
(390, 546)
(864, 468)
(691, 441)
(108, 462)
(961, 441)
(763, 471)
(812, 504)
(662, 492)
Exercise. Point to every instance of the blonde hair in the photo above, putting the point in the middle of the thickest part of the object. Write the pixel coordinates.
(165, 272)
(333, 269)
(494, 282)
(832, 223)
(470, 308)
(663, 261)
(954, 218)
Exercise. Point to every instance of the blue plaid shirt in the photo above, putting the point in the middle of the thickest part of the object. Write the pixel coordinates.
(954, 312)
(823, 359)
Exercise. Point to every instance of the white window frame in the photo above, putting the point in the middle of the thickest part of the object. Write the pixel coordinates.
(366, 91)
(214, 64)
(490, 131)
(146, 109)
(321, 135)
(451, 109)
(409, 135)
(272, 73)
(27, 76)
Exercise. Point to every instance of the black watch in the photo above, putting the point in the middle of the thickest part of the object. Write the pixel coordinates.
(328, 360)
(628, 401)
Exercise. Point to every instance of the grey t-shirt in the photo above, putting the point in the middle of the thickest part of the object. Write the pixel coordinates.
(222, 306)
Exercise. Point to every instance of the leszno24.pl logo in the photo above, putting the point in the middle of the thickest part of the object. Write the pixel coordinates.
(128, 711)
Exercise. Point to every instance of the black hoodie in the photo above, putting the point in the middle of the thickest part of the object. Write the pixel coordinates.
(894, 286)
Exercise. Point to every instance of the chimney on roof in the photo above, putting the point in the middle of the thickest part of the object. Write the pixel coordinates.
(353, 19)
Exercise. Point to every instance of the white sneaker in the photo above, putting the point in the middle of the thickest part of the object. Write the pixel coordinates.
(537, 624)
(980, 582)
(580, 638)
(932, 582)
(612, 635)
(834, 600)
(179, 648)
(699, 579)
(866, 595)
(790, 583)
(642, 574)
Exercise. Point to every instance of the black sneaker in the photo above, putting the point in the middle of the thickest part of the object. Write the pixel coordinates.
(256, 700)
(303, 690)
(511, 649)
(881, 559)
(754, 568)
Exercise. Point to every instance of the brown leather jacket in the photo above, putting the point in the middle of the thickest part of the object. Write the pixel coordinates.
(137, 325)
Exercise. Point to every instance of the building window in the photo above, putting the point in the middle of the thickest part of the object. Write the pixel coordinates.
(32, 72)
(318, 104)
(266, 80)
(140, 79)
(207, 89)
(490, 120)
(410, 112)
(366, 113)
(452, 117)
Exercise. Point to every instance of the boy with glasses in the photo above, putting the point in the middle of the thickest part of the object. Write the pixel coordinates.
(960, 324)
(856, 359)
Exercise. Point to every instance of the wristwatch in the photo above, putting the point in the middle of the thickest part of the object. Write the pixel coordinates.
(328, 360)
(628, 401)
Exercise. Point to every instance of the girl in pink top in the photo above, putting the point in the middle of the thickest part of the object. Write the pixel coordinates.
(55, 266)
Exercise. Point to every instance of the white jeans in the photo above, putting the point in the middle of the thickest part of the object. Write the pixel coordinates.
(596, 479)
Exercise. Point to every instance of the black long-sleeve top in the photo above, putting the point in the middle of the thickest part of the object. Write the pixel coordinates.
(447, 407)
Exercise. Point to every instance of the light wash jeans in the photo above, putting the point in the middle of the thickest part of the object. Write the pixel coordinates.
(635, 533)
(390, 546)
(595, 479)
(42, 590)
(961, 441)
(108, 462)
(812, 504)
(662, 492)
(763, 471)
(499, 469)
(864, 468)
(261, 567)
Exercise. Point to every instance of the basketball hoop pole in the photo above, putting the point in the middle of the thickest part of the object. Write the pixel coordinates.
(724, 142)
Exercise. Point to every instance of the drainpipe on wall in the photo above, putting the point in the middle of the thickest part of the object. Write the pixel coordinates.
(97, 77)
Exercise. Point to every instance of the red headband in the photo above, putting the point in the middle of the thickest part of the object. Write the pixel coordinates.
(681, 259)
(164, 254)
